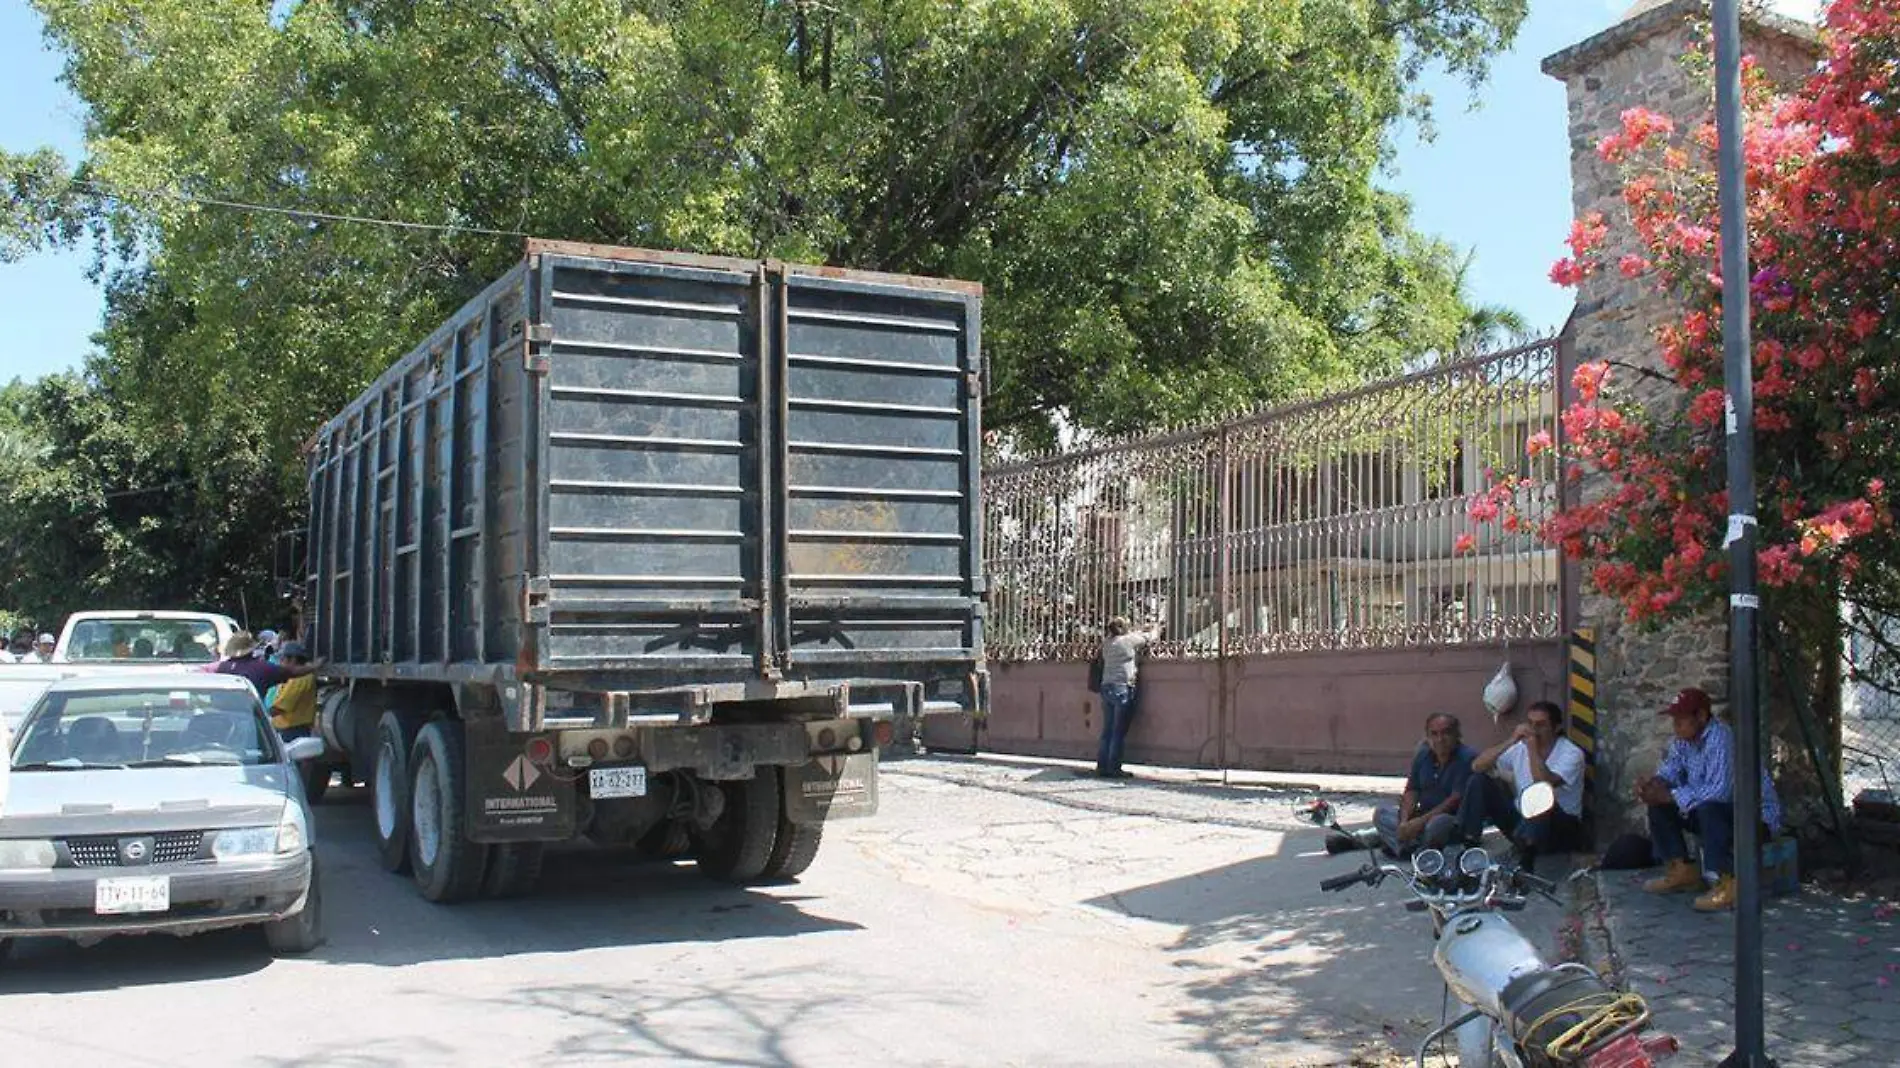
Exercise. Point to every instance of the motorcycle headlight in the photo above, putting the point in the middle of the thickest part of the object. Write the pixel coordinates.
(27, 854)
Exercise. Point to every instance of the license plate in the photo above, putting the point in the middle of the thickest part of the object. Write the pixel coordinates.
(616, 782)
(117, 897)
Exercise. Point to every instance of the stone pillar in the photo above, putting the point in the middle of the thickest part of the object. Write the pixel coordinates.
(1638, 62)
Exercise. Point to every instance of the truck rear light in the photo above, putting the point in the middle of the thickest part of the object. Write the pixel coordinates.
(623, 746)
(540, 750)
(884, 732)
(597, 749)
(827, 738)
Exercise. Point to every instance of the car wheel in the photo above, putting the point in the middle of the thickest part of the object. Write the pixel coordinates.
(513, 869)
(739, 844)
(447, 866)
(389, 787)
(794, 849)
(303, 932)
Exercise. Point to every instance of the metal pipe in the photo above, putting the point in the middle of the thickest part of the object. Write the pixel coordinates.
(1744, 604)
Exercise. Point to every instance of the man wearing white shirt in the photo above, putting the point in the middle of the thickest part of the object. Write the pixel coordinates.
(1535, 752)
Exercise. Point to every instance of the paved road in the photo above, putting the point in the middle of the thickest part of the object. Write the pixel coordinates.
(989, 916)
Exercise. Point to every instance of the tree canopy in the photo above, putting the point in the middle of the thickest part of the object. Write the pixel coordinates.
(1173, 204)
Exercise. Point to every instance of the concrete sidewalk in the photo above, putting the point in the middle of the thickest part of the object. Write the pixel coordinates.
(1831, 964)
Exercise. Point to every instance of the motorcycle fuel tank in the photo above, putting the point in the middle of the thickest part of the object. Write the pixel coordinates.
(1479, 954)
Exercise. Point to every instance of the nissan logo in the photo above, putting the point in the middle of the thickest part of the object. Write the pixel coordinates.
(135, 851)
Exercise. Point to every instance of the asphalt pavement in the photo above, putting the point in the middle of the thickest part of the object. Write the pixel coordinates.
(991, 914)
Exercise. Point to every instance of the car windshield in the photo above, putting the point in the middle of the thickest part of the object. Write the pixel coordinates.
(142, 728)
(133, 638)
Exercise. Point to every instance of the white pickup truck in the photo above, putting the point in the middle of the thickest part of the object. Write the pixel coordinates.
(94, 643)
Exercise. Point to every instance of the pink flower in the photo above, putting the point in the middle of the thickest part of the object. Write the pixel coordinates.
(1465, 545)
(1640, 124)
(1567, 272)
(1586, 234)
(1588, 379)
(1632, 265)
(1538, 444)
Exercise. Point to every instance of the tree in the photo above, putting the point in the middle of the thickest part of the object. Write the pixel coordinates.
(1172, 203)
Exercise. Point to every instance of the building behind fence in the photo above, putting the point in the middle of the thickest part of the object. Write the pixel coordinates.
(1332, 525)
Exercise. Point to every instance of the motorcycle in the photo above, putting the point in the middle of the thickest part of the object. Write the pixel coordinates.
(1521, 1012)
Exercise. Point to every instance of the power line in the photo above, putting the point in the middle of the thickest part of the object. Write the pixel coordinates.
(103, 192)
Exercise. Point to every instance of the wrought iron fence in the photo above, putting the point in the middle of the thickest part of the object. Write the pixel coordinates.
(1870, 706)
(1334, 524)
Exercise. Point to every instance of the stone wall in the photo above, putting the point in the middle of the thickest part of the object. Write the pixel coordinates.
(1639, 62)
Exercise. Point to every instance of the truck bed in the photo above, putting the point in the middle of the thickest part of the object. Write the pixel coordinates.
(667, 469)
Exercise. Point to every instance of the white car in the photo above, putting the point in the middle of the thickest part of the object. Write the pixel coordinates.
(115, 642)
(156, 804)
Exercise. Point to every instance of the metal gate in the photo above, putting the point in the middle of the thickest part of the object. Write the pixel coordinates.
(1319, 560)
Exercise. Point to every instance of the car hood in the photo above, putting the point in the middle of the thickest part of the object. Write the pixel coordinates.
(125, 800)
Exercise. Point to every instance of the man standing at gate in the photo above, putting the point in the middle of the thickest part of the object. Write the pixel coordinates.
(1121, 664)
(1427, 812)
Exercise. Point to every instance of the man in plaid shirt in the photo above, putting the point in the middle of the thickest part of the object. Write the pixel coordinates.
(1694, 791)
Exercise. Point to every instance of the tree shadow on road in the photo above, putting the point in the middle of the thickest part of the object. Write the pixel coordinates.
(1271, 962)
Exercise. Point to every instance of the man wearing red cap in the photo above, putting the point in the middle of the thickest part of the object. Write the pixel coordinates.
(1694, 790)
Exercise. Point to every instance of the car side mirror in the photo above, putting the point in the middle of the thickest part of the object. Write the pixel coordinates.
(1537, 799)
(304, 749)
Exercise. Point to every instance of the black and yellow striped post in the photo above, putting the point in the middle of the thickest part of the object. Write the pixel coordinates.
(1583, 696)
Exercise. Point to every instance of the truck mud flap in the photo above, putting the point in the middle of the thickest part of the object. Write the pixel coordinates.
(511, 797)
(831, 788)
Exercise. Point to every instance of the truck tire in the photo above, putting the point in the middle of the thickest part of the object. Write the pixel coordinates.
(795, 847)
(738, 845)
(513, 869)
(294, 935)
(668, 840)
(389, 786)
(316, 781)
(447, 866)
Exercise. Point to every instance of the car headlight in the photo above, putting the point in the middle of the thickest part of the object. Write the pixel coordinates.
(292, 835)
(289, 836)
(244, 842)
(27, 854)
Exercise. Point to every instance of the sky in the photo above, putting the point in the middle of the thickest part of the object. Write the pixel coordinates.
(1495, 179)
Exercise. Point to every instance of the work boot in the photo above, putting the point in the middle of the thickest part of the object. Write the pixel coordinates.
(1679, 877)
(1720, 899)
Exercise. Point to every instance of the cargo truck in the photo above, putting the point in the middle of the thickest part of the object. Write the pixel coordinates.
(653, 549)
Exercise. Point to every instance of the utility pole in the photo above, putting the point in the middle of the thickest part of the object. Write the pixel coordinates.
(1744, 602)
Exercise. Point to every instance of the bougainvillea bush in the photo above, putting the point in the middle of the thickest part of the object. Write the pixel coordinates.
(1823, 168)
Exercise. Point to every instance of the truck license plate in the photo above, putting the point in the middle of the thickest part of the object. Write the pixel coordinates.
(119, 897)
(603, 783)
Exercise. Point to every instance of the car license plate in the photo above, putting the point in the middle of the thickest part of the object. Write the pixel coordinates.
(117, 897)
(616, 782)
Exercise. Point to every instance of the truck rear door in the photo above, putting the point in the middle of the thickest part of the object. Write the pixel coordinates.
(754, 467)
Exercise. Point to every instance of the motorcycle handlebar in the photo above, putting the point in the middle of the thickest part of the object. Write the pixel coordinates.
(1340, 882)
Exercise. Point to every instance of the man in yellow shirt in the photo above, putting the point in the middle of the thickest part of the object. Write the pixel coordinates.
(293, 709)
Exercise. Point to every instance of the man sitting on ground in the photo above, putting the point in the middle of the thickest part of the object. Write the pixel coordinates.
(1694, 790)
(1535, 752)
(1427, 813)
